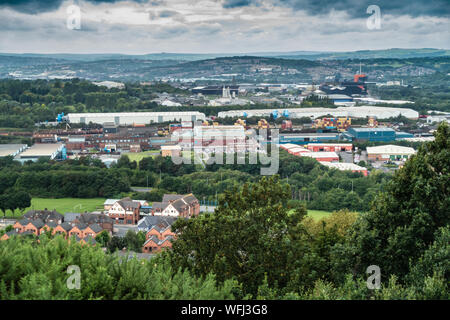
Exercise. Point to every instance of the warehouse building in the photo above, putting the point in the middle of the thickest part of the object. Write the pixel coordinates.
(389, 153)
(133, 118)
(304, 138)
(11, 149)
(41, 150)
(297, 151)
(354, 112)
(334, 147)
(321, 156)
(370, 134)
(346, 167)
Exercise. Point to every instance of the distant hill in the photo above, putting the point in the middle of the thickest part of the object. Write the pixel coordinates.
(308, 55)
(285, 68)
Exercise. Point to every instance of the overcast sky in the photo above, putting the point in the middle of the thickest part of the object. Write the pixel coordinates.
(221, 26)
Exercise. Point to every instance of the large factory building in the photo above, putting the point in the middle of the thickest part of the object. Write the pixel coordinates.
(130, 118)
(354, 112)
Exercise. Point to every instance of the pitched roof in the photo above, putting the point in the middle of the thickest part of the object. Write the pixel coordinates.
(80, 226)
(44, 215)
(90, 240)
(159, 222)
(180, 205)
(190, 198)
(96, 228)
(160, 205)
(24, 222)
(91, 218)
(129, 204)
(158, 241)
(66, 226)
(50, 224)
(11, 233)
(171, 197)
(38, 223)
(71, 216)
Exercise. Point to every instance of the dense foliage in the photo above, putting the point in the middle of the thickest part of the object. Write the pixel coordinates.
(276, 253)
(32, 270)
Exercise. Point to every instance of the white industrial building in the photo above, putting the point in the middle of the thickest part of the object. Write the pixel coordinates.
(11, 149)
(130, 118)
(343, 166)
(354, 112)
(41, 150)
(389, 152)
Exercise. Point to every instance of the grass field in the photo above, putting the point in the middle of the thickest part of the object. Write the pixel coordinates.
(64, 205)
(318, 214)
(138, 156)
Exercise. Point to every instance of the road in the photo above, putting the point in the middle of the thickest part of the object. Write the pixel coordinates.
(121, 229)
(347, 157)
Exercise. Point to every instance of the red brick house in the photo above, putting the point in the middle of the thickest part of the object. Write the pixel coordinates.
(49, 226)
(62, 228)
(77, 231)
(8, 235)
(33, 226)
(92, 231)
(153, 244)
(176, 205)
(125, 211)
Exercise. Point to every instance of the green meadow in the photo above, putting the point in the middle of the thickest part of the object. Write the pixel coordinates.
(63, 205)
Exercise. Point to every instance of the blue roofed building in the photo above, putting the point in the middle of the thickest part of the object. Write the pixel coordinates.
(383, 134)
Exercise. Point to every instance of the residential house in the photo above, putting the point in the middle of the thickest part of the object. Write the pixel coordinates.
(77, 230)
(92, 230)
(19, 226)
(158, 232)
(110, 202)
(49, 226)
(153, 244)
(62, 228)
(125, 211)
(105, 222)
(176, 205)
(8, 235)
(33, 226)
(45, 216)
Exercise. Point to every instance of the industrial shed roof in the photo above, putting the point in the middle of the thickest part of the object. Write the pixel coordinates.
(390, 149)
(10, 149)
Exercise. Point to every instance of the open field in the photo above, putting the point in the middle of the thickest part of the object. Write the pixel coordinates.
(63, 205)
(318, 214)
(138, 156)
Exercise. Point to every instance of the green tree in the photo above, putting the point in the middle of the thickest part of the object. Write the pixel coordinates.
(103, 238)
(251, 235)
(404, 219)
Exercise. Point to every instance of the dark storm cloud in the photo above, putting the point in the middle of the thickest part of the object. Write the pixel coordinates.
(357, 8)
(37, 6)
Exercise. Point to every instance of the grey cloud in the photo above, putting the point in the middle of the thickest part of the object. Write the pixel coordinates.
(356, 8)
(38, 6)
